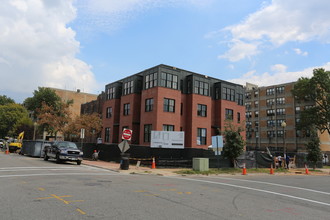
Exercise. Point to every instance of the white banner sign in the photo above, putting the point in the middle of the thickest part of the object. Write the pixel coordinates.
(167, 139)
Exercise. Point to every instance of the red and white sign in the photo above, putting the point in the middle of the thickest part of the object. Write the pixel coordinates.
(127, 134)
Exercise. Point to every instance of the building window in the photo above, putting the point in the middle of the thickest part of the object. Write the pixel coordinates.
(169, 80)
(280, 101)
(297, 121)
(147, 132)
(279, 122)
(270, 123)
(270, 91)
(270, 102)
(151, 80)
(239, 99)
(256, 104)
(256, 93)
(229, 114)
(248, 105)
(128, 87)
(111, 93)
(256, 123)
(280, 133)
(270, 112)
(270, 134)
(126, 109)
(280, 90)
(248, 124)
(168, 127)
(201, 110)
(107, 135)
(256, 114)
(248, 114)
(308, 107)
(149, 105)
(280, 111)
(109, 112)
(201, 88)
(169, 105)
(201, 136)
(238, 117)
(181, 108)
(228, 94)
(248, 95)
(297, 109)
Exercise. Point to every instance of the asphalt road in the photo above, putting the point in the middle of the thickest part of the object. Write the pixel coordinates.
(35, 189)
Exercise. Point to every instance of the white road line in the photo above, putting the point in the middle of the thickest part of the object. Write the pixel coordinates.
(273, 184)
(254, 189)
(3, 168)
(52, 169)
(62, 174)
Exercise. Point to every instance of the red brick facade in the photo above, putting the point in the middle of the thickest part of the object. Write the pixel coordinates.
(183, 117)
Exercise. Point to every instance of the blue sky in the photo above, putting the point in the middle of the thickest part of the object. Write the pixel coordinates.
(86, 44)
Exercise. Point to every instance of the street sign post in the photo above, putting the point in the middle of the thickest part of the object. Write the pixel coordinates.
(123, 146)
(217, 142)
(127, 134)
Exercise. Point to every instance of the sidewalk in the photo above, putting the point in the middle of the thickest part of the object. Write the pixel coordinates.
(133, 169)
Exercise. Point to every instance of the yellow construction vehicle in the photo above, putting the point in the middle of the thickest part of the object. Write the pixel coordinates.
(16, 145)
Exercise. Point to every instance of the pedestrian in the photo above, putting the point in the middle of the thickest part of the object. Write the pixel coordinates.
(287, 160)
(279, 158)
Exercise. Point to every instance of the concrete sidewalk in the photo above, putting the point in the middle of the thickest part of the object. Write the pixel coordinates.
(133, 169)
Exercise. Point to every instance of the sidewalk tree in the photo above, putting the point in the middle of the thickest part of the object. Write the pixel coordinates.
(41, 96)
(234, 142)
(317, 90)
(54, 118)
(313, 148)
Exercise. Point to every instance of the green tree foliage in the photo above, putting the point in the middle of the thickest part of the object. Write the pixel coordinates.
(40, 96)
(234, 142)
(317, 90)
(11, 117)
(54, 118)
(4, 100)
(313, 148)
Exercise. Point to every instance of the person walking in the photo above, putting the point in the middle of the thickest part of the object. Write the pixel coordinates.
(279, 158)
(287, 161)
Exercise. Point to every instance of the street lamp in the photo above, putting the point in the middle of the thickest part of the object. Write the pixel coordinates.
(34, 130)
(283, 125)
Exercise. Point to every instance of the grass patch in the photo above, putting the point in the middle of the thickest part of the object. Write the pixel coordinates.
(215, 171)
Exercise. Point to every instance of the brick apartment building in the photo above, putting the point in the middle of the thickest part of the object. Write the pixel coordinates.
(170, 99)
(266, 110)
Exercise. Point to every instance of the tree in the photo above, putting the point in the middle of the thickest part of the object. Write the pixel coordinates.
(313, 148)
(11, 117)
(54, 118)
(317, 90)
(40, 96)
(4, 100)
(92, 124)
(234, 142)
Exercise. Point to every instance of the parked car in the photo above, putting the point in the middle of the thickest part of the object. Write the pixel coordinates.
(63, 151)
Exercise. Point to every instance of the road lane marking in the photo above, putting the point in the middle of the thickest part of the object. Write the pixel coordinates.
(273, 184)
(64, 174)
(60, 198)
(81, 211)
(41, 189)
(254, 189)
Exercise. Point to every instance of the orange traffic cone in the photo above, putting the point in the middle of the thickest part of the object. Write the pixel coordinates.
(153, 165)
(244, 170)
(271, 169)
(7, 151)
(306, 169)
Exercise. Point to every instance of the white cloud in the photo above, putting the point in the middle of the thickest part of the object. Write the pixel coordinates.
(280, 22)
(240, 50)
(38, 49)
(267, 79)
(278, 68)
(299, 52)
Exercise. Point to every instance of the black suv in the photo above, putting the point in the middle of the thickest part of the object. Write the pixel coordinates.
(63, 151)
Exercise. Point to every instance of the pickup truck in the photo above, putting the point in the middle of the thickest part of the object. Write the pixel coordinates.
(63, 151)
